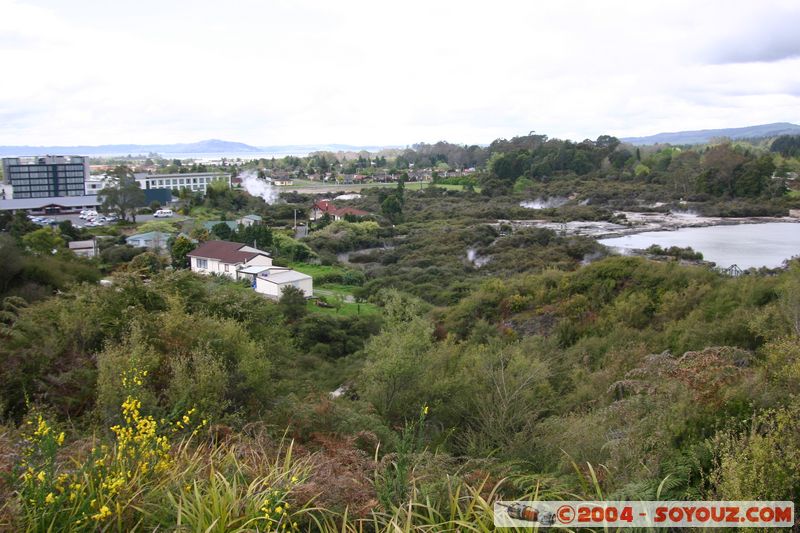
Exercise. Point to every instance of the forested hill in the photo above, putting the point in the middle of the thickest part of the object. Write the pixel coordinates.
(705, 136)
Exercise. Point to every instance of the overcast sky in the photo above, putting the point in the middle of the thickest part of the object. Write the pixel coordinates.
(390, 73)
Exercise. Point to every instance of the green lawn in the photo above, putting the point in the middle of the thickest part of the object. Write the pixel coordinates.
(331, 290)
(337, 288)
(415, 186)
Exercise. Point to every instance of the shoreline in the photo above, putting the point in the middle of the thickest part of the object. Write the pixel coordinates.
(639, 222)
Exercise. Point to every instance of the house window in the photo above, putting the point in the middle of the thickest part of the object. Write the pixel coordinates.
(226, 268)
(202, 263)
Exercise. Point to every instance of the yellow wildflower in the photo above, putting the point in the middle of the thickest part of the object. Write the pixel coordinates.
(42, 427)
(49, 499)
(41, 476)
(104, 513)
(60, 439)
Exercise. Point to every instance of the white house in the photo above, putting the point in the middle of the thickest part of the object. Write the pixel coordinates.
(239, 261)
(249, 220)
(225, 258)
(272, 280)
(156, 241)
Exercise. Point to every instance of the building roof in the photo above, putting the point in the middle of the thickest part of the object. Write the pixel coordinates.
(225, 251)
(147, 175)
(81, 245)
(282, 275)
(257, 218)
(151, 236)
(254, 269)
(327, 207)
(39, 203)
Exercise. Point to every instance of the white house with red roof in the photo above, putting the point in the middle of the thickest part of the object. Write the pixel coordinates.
(240, 261)
(323, 207)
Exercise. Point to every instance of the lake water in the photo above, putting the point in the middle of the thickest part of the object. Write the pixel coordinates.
(745, 245)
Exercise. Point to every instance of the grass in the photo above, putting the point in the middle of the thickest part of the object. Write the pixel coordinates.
(347, 309)
(204, 213)
(316, 271)
(419, 185)
(331, 290)
(337, 288)
(223, 481)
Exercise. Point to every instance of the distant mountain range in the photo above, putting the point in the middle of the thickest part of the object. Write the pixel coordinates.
(210, 146)
(218, 147)
(704, 136)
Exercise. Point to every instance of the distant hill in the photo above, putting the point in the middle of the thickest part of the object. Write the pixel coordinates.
(201, 147)
(210, 146)
(704, 136)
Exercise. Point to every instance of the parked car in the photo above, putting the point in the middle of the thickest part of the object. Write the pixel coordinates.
(88, 214)
(163, 213)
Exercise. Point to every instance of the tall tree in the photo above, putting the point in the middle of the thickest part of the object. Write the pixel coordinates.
(222, 230)
(180, 249)
(123, 195)
(44, 241)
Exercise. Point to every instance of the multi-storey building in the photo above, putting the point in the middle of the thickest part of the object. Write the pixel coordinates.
(196, 182)
(46, 176)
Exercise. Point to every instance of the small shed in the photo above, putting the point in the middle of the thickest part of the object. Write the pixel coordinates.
(272, 281)
(86, 248)
(250, 220)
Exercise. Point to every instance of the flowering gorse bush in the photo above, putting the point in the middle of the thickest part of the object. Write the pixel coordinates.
(276, 509)
(87, 494)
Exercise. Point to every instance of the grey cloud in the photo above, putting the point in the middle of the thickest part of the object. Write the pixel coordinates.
(773, 38)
